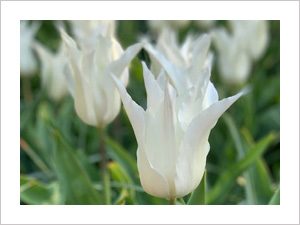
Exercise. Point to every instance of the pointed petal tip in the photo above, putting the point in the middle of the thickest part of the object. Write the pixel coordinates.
(146, 71)
(243, 92)
(63, 33)
(136, 48)
(246, 90)
(206, 37)
(144, 65)
(67, 40)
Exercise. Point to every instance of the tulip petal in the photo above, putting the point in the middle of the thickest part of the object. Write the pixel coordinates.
(83, 93)
(154, 92)
(200, 52)
(195, 146)
(103, 53)
(45, 57)
(152, 181)
(190, 169)
(207, 119)
(118, 66)
(221, 39)
(162, 79)
(134, 111)
(173, 72)
(93, 81)
(211, 96)
(67, 40)
(160, 140)
(52, 74)
(167, 44)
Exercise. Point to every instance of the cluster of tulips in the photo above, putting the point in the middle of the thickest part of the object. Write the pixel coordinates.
(182, 103)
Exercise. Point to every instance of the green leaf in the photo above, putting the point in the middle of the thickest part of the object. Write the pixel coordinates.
(90, 168)
(275, 200)
(120, 175)
(258, 183)
(227, 180)
(198, 196)
(34, 192)
(119, 154)
(259, 174)
(261, 181)
(75, 184)
(37, 135)
(35, 157)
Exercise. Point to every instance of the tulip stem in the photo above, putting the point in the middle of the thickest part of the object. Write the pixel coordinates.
(172, 201)
(103, 167)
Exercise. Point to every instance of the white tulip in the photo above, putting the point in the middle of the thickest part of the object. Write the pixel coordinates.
(186, 65)
(28, 63)
(97, 101)
(182, 108)
(86, 32)
(53, 66)
(193, 54)
(237, 50)
(172, 135)
(253, 33)
(234, 62)
(168, 46)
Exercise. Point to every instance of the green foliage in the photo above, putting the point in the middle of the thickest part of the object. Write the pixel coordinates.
(75, 184)
(37, 193)
(227, 179)
(258, 182)
(119, 154)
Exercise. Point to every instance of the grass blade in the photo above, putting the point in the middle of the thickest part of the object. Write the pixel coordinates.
(227, 179)
(275, 200)
(76, 186)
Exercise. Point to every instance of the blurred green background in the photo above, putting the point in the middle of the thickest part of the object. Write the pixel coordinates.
(59, 154)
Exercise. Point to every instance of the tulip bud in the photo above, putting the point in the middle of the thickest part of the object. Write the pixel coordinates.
(97, 101)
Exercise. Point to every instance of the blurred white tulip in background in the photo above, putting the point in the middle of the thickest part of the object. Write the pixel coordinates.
(97, 101)
(28, 62)
(52, 71)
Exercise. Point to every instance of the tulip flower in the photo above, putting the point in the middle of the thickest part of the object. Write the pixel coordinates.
(86, 32)
(186, 67)
(28, 63)
(234, 62)
(193, 54)
(172, 135)
(97, 101)
(237, 50)
(52, 74)
(254, 34)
